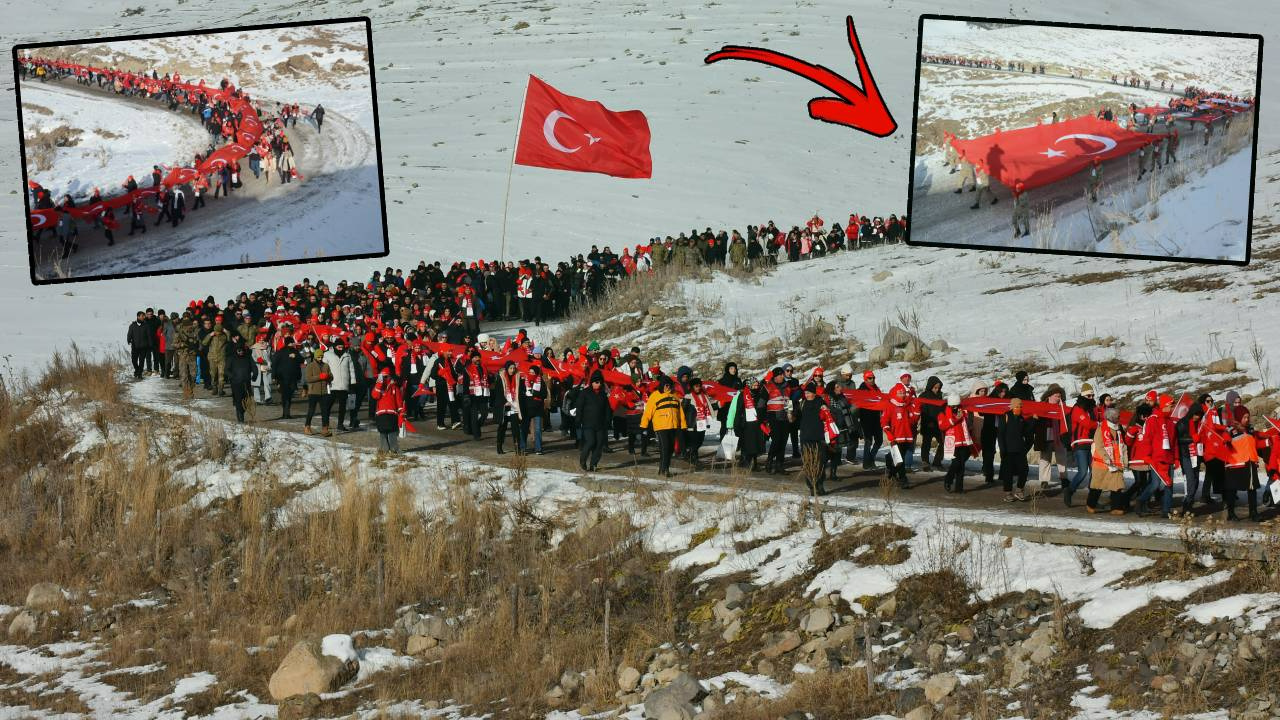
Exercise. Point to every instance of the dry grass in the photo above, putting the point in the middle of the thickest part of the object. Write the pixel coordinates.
(229, 575)
(41, 146)
(835, 694)
(635, 292)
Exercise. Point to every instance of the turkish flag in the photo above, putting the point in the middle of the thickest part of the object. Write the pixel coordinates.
(1044, 154)
(563, 132)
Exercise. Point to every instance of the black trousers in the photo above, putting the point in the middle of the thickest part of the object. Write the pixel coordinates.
(927, 436)
(508, 421)
(238, 393)
(989, 455)
(955, 473)
(593, 440)
(1011, 466)
(1215, 472)
(286, 399)
(443, 406)
(476, 414)
(324, 403)
(338, 398)
(692, 441)
(139, 356)
(778, 442)
(666, 446)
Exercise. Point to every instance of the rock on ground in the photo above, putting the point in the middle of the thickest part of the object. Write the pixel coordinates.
(308, 670)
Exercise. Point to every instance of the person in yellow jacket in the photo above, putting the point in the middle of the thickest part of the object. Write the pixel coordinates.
(664, 415)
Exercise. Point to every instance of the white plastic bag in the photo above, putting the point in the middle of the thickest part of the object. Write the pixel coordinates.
(728, 447)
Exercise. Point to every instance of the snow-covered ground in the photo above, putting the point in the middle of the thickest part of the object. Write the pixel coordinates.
(732, 142)
(1177, 57)
(1206, 217)
(115, 140)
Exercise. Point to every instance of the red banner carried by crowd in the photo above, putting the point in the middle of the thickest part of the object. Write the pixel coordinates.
(1044, 154)
(250, 130)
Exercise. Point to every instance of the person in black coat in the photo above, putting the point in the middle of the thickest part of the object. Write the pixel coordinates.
(751, 440)
(731, 381)
(318, 116)
(1012, 436)
(929, 424)
(594, 416)
(1022, 388)
(869, 418)
(141, 340)
(241, 372)
(286, 366)
(990, 436)
(813, 438)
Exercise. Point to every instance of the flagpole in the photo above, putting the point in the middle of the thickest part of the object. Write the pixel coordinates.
(502, 253)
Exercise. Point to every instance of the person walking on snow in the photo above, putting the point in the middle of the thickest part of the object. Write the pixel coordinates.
(1021, 211)
(984, 189)
(969, 173)
(1095, 179)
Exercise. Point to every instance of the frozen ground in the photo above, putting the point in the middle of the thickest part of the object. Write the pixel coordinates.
(732, 142)
(116, 140)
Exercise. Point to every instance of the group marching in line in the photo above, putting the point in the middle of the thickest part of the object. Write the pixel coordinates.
(239, 127)
(402, 347)
(1152, 157)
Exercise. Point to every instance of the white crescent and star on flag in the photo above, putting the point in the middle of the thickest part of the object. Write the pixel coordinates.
(1107, 144)
(549, 132)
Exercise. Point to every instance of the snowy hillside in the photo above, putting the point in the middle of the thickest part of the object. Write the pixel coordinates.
(321, 64)
(112, 140)
(732, 142)
(1221, 63)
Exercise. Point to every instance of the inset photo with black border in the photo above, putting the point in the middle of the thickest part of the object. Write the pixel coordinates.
(204, 150)
(1084, 139)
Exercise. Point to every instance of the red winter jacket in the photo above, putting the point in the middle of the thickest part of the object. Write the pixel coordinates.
(387, 397)
(1083, 426)
(955, 425)
(897, 420)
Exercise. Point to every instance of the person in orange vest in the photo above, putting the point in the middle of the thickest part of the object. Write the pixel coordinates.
(1110, 458)
(1242, 469)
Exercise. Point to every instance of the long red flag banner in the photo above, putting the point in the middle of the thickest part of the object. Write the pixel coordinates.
(250, 131)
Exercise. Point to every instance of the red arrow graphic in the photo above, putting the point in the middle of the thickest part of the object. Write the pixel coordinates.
(859, 108)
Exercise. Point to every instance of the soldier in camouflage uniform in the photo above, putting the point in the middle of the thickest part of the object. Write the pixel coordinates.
(1021, 211)
(215, 347)
(1095, 180)
(188, 345)
(1171, 148)
(247, 330)
(984, 190)
(1142, 160)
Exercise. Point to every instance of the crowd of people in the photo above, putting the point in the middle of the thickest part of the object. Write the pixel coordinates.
(221, 111)
(985, 63)
(408, 347)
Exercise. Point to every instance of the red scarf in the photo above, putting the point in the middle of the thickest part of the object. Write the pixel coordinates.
(701, 406)
(479, 380)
